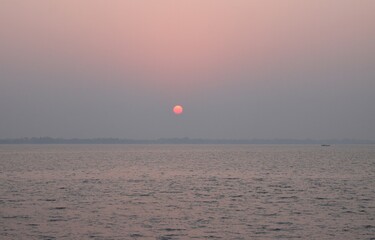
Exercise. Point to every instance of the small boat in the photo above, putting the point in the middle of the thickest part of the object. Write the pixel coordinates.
(325, 145)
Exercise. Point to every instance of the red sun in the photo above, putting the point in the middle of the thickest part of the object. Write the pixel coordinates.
(178, 109)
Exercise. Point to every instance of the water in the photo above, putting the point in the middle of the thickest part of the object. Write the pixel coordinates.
(187, 192)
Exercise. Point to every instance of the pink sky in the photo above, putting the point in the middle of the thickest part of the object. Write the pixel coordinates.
(189, 47)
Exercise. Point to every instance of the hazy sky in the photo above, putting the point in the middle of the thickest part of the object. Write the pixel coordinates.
(241, 68)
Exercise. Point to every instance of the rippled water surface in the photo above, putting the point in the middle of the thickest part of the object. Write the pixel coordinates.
(187, 192)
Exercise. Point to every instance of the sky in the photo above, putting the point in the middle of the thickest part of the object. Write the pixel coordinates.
(242, 69)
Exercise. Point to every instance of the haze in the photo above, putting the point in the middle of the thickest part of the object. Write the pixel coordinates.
(241, 69)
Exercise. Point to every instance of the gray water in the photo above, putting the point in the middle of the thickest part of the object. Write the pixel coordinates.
(187, 192)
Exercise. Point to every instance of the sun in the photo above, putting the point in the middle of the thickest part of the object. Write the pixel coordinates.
(178, 109)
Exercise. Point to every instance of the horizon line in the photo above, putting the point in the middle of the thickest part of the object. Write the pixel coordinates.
(181, 140)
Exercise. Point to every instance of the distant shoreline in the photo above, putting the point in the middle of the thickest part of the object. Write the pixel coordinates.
(49, 140)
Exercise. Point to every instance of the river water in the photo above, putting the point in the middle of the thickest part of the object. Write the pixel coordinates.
(187, 192)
